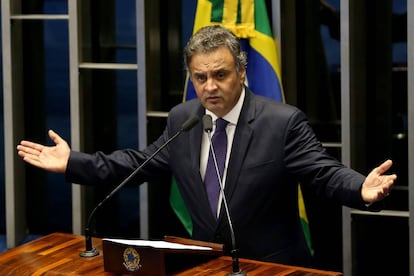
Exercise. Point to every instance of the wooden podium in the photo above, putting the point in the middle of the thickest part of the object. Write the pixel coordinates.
(157, 258)
(58, 254)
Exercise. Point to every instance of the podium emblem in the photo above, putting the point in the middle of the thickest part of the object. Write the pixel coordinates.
(131, 259)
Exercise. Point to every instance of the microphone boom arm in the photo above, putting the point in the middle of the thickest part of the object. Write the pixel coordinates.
(235, 259)
(89, 250)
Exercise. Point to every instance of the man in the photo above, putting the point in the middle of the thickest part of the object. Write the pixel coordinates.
(270, 148)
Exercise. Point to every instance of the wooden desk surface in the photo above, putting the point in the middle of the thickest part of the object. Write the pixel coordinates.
(223, 265)
(58, 254)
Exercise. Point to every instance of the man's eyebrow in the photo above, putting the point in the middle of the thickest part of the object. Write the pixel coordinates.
(213, 72)
(220, 70)
(199, 73)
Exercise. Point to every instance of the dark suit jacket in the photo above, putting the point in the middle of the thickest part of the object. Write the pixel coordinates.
(274, 148)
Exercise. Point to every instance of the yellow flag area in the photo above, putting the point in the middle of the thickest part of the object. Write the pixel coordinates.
(203, 15)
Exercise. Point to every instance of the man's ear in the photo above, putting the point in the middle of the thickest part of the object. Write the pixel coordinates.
(243, 75)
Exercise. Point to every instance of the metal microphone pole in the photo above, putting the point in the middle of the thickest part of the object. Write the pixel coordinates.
(208, 125)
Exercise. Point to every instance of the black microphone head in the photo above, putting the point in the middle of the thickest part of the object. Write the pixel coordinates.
(207, 123)
(190, 123)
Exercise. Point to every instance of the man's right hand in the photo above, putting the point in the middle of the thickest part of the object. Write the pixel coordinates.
(51, 158)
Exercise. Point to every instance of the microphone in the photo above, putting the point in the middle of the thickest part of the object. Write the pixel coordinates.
(89, 250)
(208, 127)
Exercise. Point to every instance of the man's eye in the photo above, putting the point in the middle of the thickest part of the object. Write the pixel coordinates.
(201, 78)
(220, 75)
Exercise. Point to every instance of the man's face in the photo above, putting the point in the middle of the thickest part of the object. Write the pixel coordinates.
(215, 79)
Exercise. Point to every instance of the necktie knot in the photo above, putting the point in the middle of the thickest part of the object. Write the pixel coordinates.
(221, 124)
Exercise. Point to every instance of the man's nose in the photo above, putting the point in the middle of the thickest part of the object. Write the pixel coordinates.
(211, 84)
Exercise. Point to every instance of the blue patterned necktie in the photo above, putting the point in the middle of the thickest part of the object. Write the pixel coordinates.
(219, 141)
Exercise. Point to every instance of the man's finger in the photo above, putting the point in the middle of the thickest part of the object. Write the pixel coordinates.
(381, 169)
(55, 137)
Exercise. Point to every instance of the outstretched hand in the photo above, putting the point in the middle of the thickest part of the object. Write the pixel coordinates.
(377, 185)
(51, 158)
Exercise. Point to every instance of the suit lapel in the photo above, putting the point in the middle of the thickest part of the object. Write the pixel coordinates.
(195, 143)
(240, 146)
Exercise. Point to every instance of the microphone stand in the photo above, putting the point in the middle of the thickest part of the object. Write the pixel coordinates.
(89, 250)
(208, 125)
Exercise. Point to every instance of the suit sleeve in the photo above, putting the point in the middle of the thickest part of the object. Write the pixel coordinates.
(111, 169)
(101, 168)
(308, 160)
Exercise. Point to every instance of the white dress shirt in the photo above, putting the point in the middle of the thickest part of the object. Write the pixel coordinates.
(232, 117)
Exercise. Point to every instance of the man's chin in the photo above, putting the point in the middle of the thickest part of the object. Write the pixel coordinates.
(211, 106)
